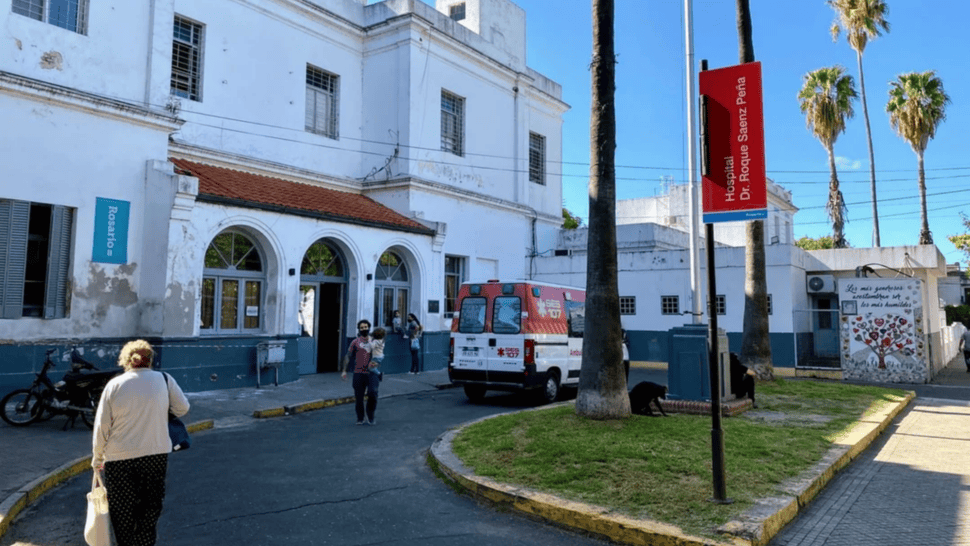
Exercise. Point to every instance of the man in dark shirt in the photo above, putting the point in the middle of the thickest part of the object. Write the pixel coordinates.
(358, 360)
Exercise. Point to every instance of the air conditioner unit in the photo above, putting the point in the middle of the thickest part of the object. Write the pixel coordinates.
(821, 284)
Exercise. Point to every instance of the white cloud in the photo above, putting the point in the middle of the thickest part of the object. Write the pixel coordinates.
(846, 163)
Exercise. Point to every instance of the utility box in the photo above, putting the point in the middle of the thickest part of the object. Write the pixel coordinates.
(270, 354)
(688, 368)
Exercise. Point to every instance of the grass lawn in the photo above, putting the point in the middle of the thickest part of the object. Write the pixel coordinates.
(660, 468)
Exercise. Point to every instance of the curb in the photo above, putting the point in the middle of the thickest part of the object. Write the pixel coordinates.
(16, 502)
(321, 404)
(756, 527)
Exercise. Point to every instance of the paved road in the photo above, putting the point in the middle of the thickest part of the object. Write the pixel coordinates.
(315, 478)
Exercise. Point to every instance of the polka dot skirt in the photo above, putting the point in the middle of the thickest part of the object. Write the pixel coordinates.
(136, 489)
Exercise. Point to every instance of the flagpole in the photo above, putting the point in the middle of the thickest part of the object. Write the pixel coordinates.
(692, 201)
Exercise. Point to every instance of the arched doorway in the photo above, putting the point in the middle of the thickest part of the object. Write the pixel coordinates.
(392, 289)
(323, 284)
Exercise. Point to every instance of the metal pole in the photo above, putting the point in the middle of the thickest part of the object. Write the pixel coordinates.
(695, 267)
(717, 433)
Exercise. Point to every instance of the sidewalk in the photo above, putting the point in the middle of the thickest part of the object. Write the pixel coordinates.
(910, 488)
(37, 457)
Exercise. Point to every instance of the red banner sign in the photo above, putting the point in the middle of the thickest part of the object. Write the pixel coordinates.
(734, 186)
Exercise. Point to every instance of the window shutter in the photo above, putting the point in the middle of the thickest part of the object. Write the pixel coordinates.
(14, 219)
(58, 261)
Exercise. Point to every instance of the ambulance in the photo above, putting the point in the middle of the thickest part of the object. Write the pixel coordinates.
(518, 336)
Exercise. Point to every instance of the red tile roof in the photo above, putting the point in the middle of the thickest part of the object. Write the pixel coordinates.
(219, 184)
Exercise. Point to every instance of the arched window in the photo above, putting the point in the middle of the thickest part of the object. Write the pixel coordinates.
(322, 261)
(232, 285)
(391, 289)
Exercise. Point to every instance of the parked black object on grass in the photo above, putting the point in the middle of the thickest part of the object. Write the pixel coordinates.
(77, 394)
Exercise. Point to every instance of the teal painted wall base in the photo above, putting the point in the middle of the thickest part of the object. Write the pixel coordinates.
(205, 364)
(433, 354)
(654, 346)
(197, 364)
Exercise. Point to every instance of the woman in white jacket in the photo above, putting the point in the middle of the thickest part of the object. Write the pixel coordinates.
(131, 443)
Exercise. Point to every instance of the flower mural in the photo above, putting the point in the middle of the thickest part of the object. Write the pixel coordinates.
(884, 334)
(882, 331)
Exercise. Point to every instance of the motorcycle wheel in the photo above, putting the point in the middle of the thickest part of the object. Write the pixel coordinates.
(21, 407)
(88, 415)
(46, 412)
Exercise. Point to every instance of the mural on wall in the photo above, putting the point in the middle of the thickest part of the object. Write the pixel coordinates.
(882, 334)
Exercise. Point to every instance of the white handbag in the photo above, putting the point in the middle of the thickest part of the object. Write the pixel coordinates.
(97, 526)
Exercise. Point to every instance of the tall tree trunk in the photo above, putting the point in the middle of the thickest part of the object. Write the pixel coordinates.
(925, 237)
(755, 342)
(835, 204)
(872, 156)
(602, 381)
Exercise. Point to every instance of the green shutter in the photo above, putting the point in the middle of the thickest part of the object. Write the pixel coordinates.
(58, 263)
(14, 219)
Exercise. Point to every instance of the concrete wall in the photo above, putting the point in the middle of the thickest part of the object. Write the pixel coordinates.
(76, 141)
(69, 152)
(649, 274)
(116, 42)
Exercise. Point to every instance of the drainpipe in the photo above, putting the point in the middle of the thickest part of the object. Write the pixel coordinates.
(151, 49)
(516, 166)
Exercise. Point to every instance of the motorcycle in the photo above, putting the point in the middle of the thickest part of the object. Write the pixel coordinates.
(77, 394)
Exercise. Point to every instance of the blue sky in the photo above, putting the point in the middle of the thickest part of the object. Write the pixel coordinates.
(791, 38)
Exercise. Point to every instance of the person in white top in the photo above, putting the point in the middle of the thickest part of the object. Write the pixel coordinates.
(376, 349)
(131, 443)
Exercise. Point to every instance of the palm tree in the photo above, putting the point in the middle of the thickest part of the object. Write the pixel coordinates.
(861, 20)
(602, 381)
(755, 341)
(917, 106)
(826, 100)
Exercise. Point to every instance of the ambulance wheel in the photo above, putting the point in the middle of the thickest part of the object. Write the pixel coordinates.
(550, 391)
(475, 393)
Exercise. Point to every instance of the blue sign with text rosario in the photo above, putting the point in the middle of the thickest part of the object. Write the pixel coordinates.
(110, 231)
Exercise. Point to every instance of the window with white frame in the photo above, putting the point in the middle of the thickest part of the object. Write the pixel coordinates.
(452, 123)
(67, 14)
(187, 59)
(537, 158)
(322, 97)
(454, 276)
(232, 285)
(392, 287)
(669, 305)
(720, 302)
(628, 305)
(35, 256)
(457, 12)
